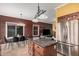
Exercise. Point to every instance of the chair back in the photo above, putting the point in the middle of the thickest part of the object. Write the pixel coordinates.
(22, 38)
(15, 39)
(5, 39)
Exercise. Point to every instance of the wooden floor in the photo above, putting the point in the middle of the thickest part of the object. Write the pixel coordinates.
(15, 50)
(22, 50)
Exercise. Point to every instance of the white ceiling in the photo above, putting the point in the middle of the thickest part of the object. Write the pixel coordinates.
(28, 10)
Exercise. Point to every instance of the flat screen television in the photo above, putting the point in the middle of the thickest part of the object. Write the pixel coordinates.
(46, 32)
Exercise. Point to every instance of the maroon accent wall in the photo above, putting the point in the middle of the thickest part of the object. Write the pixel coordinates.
(28, 25)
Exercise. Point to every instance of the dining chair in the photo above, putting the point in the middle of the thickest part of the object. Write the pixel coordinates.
(8, 42)
(23, 40)
(16, 40)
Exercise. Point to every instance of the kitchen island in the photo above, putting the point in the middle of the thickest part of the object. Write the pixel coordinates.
(43, 47)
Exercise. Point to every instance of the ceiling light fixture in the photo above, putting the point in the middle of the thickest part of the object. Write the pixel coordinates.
(21, 14)
(39, 15)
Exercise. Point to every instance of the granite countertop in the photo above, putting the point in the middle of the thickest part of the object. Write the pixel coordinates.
(44, 43)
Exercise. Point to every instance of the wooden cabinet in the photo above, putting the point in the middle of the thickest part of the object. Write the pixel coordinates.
(42, 48)
(44, 51)
(38, 50)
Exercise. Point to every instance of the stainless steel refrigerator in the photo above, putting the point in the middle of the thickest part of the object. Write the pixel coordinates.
(67, 34)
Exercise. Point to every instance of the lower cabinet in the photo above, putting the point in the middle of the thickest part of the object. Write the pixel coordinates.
(44, 51)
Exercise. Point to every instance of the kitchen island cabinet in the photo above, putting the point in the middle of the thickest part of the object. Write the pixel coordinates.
(43, 48)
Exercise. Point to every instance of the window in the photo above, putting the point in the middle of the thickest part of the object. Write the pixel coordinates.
(20, 30)
(14, 29)
(11, 31)
(35, 30)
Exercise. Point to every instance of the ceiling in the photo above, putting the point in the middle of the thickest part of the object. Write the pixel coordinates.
(28, 10)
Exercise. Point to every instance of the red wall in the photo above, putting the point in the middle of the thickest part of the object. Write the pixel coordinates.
(28, 25)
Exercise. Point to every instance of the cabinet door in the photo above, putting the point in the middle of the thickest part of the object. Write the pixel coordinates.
(38, 49)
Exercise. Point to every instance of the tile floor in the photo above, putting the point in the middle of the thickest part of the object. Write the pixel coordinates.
(14, 51)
